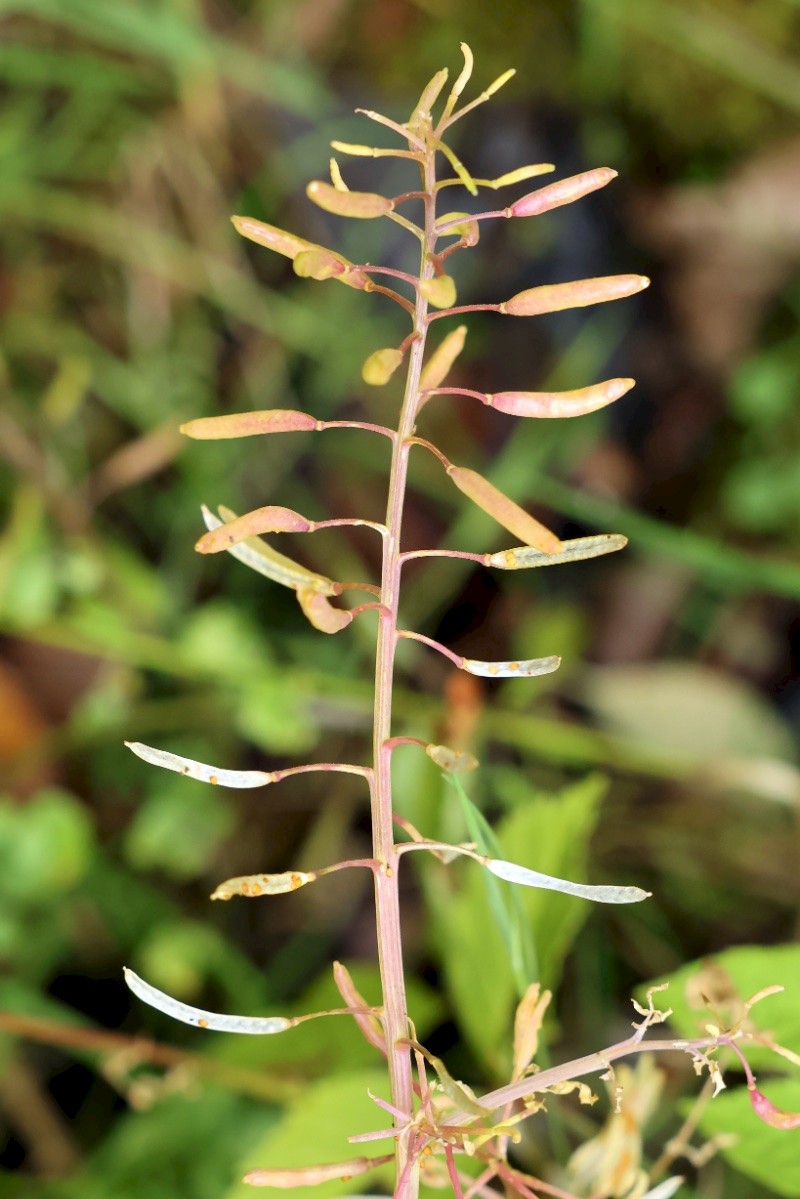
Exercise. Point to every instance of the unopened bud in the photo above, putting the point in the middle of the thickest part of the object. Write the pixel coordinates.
(380, 366)
(362, 205)
(439, 291)
(562, 192)
(557, 297)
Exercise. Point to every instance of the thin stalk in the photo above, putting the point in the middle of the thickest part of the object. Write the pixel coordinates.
(387, 906)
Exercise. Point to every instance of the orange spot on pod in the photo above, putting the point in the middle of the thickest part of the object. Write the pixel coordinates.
(202, 1023)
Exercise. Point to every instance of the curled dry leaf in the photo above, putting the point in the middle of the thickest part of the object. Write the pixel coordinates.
(251, 886)
(504, 510)
(556, 297)
(527, 1025)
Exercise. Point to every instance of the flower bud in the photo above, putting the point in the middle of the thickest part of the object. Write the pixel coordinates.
(380, 366)
(439, 291)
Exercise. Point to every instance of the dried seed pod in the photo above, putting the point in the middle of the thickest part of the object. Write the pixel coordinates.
(214, 1021)
(525, 669)
(512, 873)
(578, 550)
(254, 885)
(456, 761)
(216, 775)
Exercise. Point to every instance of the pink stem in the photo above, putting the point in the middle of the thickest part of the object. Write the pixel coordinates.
(387, 900)
(340, 521)
(473, 216)
(369, 608)
(369, 269)
(435, 316)
(457, 391)
(340, 767)
(358, 424)
(482, 559)
(456, 659)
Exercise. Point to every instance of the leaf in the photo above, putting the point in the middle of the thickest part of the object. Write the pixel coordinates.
(362, 205)
(249, 424)
(504, 510)
(214, 1021)
(559, 404)
(564, 191)
(556, 297)
(577, 550)
(189, 768)
(316, 1128)
(511, 872)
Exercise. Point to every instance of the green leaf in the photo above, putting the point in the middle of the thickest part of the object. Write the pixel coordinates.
(315, 1129)
(178, 829)
(46, 847)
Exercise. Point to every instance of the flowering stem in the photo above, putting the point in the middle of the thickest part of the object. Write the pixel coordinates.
(395, 1019)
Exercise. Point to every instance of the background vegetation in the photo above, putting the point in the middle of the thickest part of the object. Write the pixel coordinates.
(663, 753)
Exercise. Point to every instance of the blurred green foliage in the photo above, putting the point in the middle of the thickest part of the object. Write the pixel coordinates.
(129, 132)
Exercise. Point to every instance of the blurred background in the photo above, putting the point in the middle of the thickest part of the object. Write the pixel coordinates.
(663, 753)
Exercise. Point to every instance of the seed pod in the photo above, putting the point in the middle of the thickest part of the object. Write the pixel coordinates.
(467, 228)
(271, 519)
(270, 236)
(249, 424)
(577, 550)
(504, 510)
(453, 760)
(362, 205)
(512, 873)
(556, 297)
(321, 613)
(525, 669)
(562, 192)
(550, 404)
(251, 886)
(318, 264)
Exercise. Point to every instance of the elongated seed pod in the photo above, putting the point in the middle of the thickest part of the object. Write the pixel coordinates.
(271, 519)
(258, 1026)
(512, 873)
(512, 670)
(254, 885)
(552, 404)
(312, 1175)
(321, 613)
(216, 775)
(564, 191)
(268, 562)
(455, 761)
(556, 297)
(441, 360)
(249, 424)
(270, 236)
(577, 550)
(504, 510)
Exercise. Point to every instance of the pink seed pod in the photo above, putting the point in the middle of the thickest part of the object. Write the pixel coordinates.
(556, 297)
(549, 404)
(272, 519)
(562, 192)
(362, 205)
(249, 424)
(771, 1114)
(321, 613)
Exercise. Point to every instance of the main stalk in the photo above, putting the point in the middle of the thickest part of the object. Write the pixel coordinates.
(387, 904)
